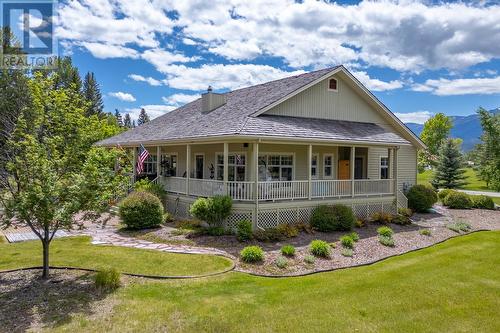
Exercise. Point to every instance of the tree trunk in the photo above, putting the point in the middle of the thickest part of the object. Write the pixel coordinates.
(45, 274)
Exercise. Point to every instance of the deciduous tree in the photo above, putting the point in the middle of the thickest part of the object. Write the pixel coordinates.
(435, 131)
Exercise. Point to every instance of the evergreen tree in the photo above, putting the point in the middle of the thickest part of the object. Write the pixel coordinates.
(118, 117)
(143, 118)
(449, 172)
(67, 76)
(488, 152)
(92, 94)
(127, 122)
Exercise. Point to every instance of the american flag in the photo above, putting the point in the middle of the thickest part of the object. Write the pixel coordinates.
(142, 156)
(238, 159)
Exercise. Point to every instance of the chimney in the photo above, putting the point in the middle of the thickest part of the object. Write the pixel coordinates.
(211, 101)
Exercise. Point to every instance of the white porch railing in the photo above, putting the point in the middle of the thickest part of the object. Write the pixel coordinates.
(373, 186)
(205, 187)
(330, 188)
(174, 184)
(241, 190)
(279, 190)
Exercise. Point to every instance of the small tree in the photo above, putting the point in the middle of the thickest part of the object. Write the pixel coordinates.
(435, 131)
(92, 94)
(143, 118)
(488, 152)
(52, 170)
(449, 172)
(118, 117)
(127, 122)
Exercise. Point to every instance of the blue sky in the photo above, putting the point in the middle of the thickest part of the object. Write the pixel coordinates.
(418, 57)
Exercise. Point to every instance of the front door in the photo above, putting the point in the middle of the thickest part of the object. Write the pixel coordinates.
(199, 165)
(344, 169)
(358, 168)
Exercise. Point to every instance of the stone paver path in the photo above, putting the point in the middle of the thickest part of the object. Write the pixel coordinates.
(107, 235)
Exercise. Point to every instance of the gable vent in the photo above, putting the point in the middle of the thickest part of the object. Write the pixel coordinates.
(211, 101)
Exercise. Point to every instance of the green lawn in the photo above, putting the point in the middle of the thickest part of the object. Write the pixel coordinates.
(451, 287)
(79, 252)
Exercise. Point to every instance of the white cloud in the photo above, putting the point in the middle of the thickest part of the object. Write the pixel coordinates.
(446, 87)
(104, 51)
(161, 58)
(418, 117)
(376, 84)
(222, 76)
(149, 80)
(180, 99)
(152, 110)
(126, 97)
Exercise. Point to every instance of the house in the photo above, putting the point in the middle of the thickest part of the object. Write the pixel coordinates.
(281, 148)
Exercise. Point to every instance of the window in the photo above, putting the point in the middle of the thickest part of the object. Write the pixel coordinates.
(199, 165)
(384, 168)
(150, 165)
(332, 85)
(276, 167)
(328, 165)
(314, 166)
(236, 167)
(169, 165)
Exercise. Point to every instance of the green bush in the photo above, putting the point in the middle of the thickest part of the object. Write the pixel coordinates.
(385, 231)
(309, 259)
(400, 219)
(288, 250)
(354, 236)
(459, 226)
(483, 202)
(425, 232)
(444, 193)
(347, 241)
(359, 223)
(215, 231)
(252, 254)
(405, 212)
(332, 218)
(346, 252)
(212, 210)
(304, 227)
(167, 217)
(288, 230)
(269, 235)
(107, 279)
(145, 185)
(381, 217)
(141, 210)
(458, 200)
(281, 262)
(320, 248)
(244, 230)
(386, 240)
(421, 198)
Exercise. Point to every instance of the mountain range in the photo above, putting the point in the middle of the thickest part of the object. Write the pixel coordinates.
(468, 128)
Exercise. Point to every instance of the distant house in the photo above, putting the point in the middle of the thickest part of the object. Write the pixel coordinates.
(281, 148)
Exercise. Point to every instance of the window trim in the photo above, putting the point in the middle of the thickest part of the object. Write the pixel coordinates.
(331, 166)
(384, 167)
(336, 85)
(147, 162)
(279, 154)
(230, 153)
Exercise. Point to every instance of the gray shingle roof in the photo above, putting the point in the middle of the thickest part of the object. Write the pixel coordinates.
(235, 118)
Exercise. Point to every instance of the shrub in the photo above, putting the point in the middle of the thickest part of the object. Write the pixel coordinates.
(188, 224)
(421, 198)
(309, 259)
(385, 231)
(347, 241)
(483, 201)
(458, 200)
(332, 218)
(304, 227)
(215, 231)
(244, 230)
(459, 226)
(288, 230)
(386, 240)
(269, 235)
(354, 236)
(381, 217)
(425, 232)
(288, 250)
(141, 210)
(212, 210)
(359, 223)
(281, 262)
(333, 245)
(401, 220)
(320, 248)
(252, 254)
(107, 279)
(346, 252)
(405, 212)
(167, 217)
(444, 193)
(145, 185)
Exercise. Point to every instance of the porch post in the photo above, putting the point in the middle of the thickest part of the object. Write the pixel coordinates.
(134, 164)
(226, 166)
(256, 185)
(395, 171)
(158, 155)
(351, 166)
(309, 178)
(188, 166)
